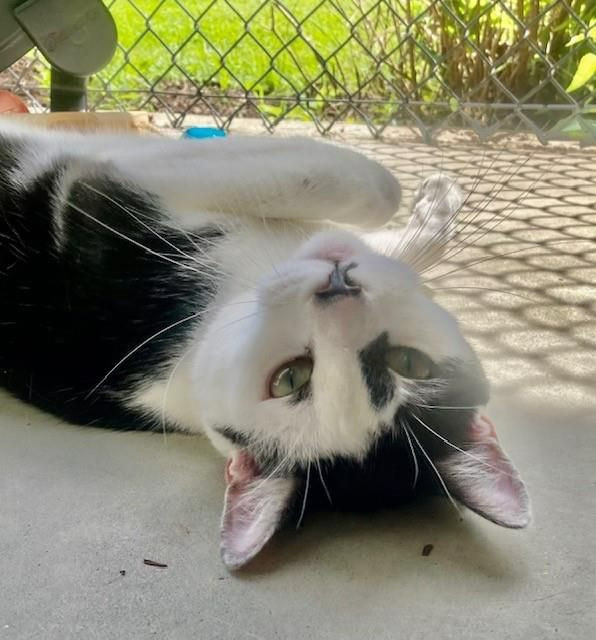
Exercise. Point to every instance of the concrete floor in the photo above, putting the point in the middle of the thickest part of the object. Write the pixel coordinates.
(81, 508)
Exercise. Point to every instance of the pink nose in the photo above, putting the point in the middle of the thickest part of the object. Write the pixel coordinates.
(336, 253)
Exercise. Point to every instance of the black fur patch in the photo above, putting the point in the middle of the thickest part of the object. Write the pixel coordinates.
(74, 306)
(385, 478)
(373, 364)
(235, 437)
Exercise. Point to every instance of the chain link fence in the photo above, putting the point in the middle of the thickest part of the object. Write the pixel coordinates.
(484, 65)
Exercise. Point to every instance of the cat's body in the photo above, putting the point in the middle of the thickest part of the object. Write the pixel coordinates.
(149, 283)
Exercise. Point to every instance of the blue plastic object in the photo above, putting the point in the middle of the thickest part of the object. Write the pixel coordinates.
(199, 133)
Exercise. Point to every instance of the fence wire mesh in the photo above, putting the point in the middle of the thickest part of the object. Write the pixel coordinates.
(520, 275)
(485, 65)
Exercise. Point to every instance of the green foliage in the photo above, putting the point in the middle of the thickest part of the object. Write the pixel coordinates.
(586, 69)
(302, 57)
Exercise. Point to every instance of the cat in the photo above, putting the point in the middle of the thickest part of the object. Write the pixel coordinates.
(243, 287)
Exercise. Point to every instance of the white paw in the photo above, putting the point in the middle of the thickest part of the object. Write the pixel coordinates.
(355, 189)
(435, 205)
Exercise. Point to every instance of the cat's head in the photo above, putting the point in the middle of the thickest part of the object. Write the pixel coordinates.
(338, 378)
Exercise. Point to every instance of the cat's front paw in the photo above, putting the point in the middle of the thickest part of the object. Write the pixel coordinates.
(435, 206)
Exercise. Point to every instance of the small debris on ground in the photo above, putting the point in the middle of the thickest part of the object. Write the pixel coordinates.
(153, 563)
(122, 572)
(427, 549)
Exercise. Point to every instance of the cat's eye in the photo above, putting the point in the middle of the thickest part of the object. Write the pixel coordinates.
(410, 363)
(290, 377)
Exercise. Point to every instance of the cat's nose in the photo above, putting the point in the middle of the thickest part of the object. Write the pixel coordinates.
(340, 283)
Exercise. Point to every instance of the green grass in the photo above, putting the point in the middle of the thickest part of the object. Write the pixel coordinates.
(314, 53)
(228, 51)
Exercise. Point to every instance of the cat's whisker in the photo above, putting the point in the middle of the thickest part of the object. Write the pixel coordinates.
(431, 244)
(168, 223)
(207, 265)
(412, 239)
(320, 471)
(268, 232)
(250, 315)
(303, 508)
(130, 213)
(421, 251)
(463, 451)
(248, 497)
(479, 261)
(439, 477)
(140, 346)
(499, 215)
(159, 333)
(468, 219)
(480, 208)
(535, 245)
(438, 406)
(414, 457)
(501, 183)
(507, 292)
(462, 241)
(131, 240)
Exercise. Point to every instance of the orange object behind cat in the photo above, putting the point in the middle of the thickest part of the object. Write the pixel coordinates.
(9, 103)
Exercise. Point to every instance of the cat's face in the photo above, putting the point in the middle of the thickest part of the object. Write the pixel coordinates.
(328, 377)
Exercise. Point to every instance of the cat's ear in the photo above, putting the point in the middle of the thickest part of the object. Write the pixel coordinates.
(485, 480)
(254, 507)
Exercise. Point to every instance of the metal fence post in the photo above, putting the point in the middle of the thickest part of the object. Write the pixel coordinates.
(67, 92)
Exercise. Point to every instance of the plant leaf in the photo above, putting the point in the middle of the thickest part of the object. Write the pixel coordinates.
(580, 37)
(586, 70)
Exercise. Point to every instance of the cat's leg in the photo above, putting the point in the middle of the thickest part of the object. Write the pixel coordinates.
(293, 178)
(298, 179)
(423, 241)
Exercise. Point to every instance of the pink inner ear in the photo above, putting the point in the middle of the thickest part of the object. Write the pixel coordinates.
(241, 468)
(253, 508)
(485, 480)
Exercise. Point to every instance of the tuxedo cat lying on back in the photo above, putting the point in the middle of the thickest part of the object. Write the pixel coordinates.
(215, 286)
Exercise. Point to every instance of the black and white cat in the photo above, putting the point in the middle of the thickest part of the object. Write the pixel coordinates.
(229, 286)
